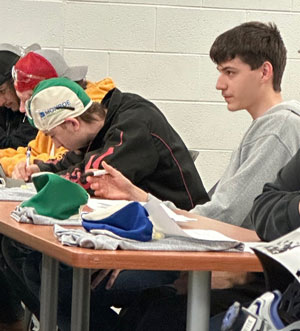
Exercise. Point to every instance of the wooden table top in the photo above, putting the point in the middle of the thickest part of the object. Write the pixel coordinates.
(41, 238)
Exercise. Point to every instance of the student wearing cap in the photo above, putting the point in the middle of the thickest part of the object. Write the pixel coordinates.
(28, 71)
(15, 130)
(129, 132)
(110, 131)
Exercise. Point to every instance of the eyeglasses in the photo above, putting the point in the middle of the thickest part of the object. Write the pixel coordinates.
(21, 76)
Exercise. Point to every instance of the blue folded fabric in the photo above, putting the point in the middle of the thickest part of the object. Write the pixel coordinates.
(130, 221)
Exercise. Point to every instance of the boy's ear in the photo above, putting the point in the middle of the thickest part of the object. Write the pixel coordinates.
(73, 122)
(267, 70)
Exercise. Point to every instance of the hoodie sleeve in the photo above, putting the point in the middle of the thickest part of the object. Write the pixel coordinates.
(276, 211)
(15, 129)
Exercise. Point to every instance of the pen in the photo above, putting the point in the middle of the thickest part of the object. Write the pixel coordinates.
(28, 154)
(99, 172)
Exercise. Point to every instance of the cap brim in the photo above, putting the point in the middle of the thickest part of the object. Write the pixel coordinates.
(76, 73)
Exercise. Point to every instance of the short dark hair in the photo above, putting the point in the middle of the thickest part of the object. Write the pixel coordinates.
(93, 113)
(10, 84)
(254, 43)
(82, 83)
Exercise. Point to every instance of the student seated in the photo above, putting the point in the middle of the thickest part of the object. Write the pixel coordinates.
(28, 72)
(251, 60)
(33, 67)
(131, 133)
(15, 130)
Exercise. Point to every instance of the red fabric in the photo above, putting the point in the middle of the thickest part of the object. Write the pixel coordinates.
(36, 65)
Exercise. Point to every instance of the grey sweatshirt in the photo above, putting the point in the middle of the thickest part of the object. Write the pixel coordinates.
(269, 143)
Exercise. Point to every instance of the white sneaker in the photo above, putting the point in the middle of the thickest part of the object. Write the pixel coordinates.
(262, 315)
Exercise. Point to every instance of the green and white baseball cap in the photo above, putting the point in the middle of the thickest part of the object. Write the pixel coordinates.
(53, 100)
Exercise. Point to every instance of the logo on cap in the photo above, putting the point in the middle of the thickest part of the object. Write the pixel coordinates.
(63, 105)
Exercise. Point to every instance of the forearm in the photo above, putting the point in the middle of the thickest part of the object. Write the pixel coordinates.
(275, 213)
(138, 194)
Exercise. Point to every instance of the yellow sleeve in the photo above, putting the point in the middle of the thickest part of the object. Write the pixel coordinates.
(41, 144)
(8, 152)
(42, 148)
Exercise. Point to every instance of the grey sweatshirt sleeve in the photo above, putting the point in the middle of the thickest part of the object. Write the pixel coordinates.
(251, 166)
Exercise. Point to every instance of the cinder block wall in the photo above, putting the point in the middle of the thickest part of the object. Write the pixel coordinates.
(159, 49)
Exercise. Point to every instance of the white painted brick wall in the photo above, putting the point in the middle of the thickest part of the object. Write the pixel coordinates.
(159, 49)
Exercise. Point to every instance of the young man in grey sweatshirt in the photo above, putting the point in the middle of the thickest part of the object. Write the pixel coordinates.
(251, 59)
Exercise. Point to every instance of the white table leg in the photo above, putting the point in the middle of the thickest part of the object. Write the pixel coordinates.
(49, 290)
(198, 306)
(81, 299)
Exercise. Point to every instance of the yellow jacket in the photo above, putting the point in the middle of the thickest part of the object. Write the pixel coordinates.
(42, 147)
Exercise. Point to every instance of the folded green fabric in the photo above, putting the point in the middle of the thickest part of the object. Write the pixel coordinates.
(56, 196)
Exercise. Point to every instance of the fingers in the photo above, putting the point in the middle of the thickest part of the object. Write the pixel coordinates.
(110, 170)
(181, 283)
(99, 277)
(94, 184)
(20, 171)
(98, 193)
(114, 275)
(102, 274)
(33, 168)
(28, 172)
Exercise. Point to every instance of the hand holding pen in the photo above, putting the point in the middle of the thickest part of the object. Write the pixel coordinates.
(24, 169)
(112, 184)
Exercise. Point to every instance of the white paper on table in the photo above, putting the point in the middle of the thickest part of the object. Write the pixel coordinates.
(102, 203)
(165, 224)
(164, 220)
(175, 217)
(22, 193)
(94, 203)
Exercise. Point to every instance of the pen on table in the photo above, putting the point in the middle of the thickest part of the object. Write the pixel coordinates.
(28, 154)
